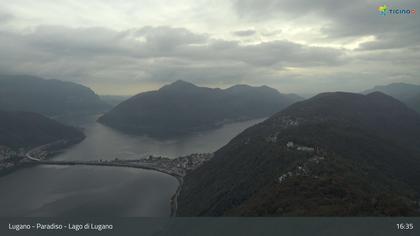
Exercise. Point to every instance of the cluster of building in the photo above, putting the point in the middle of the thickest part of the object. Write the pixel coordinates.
(192, 161)
(175, 166)
(292, 145)
(272, 138)
(46, 150)
(39, 153)
(186, 163)
(303, 169)
(9, 158)
(6, 153)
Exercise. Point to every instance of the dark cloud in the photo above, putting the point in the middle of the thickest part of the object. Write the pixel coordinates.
(149, 53)
(405, 38)
(260, 42)
(75, 41)
(275, 53)
(344, 18)
(265, 9)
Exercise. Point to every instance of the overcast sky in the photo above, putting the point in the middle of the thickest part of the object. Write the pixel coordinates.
(125, 47)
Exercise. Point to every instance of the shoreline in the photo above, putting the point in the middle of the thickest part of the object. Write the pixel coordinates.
(49, 150)
(176, 168)
(174, 198)
(168, 135)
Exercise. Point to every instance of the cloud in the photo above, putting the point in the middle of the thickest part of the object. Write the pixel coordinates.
(293, 45)
(148, 54)
(244, 33)
(5, 16)
(165, 38)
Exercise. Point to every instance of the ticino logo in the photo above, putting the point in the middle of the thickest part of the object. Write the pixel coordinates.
(385, 10)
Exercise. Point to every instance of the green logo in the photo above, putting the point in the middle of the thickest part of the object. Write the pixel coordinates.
(383, 9)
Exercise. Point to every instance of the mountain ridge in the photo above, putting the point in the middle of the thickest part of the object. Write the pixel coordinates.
(48, 97)
(325, 156)
(27, 130)
(181, 108)
(407, 93)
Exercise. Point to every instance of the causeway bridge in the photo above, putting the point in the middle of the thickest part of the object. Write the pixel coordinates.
(156, 166)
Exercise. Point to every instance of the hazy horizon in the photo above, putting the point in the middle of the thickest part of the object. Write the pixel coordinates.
(127, 47)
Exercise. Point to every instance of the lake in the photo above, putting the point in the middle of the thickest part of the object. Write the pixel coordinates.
(106, 191)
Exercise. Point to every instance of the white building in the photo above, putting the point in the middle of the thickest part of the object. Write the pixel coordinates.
(290, 145)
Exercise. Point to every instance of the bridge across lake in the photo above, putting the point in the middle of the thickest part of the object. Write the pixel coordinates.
(170, 170)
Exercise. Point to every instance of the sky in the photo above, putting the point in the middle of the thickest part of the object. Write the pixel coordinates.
(123, 47)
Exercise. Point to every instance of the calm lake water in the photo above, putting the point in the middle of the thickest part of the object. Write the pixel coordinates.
(110, 191)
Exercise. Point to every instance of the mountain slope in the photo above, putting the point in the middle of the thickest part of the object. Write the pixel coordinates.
(47, 97)
(182, 107)
(113, 100)
(415, 103)
(336, 154)
(28, 130)
(407, 93)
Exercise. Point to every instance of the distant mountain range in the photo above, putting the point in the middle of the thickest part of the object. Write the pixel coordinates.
(113, 100)
(28, 130)
(181, 108)
(407, 93)
(47, 97)
(336, 154)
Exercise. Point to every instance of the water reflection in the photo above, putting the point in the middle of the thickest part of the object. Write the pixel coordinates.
(103, 142)
(86, 191)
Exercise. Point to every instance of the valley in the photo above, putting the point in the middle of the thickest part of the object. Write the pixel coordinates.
(328, 155)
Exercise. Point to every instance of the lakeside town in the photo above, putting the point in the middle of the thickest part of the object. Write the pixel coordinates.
(10, 159)
(179, 165)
